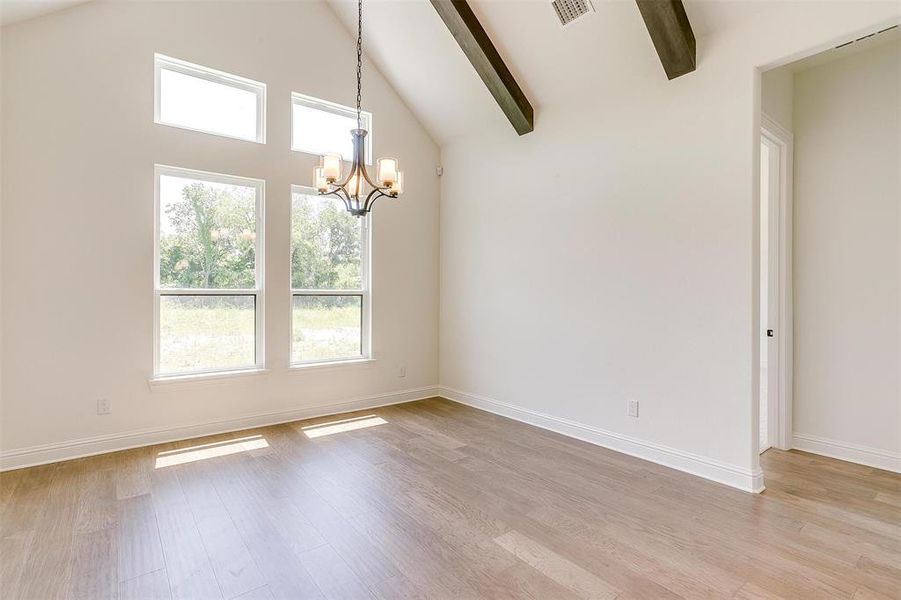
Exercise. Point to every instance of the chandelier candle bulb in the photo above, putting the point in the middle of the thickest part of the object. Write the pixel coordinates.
(331, 166)
(321, 181)
(387, 170)
(398, 186)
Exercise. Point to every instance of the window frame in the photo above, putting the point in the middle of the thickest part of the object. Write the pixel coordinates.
(334, 108)
(161, 61)
(257, 292)
(365, 291)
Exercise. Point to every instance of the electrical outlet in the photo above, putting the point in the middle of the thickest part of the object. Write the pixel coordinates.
(633, 408)
(402, 371)
(103, 406)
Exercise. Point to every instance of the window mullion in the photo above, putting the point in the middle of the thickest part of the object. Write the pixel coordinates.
(207, 292)
(327, 292)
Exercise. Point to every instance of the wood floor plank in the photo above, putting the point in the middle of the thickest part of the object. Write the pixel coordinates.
(48, 566)
(332, 575)
(397, 587)
(864, 593)
(26, 501)
(524, 581)
(260, 593)
(95, 570)
(555, 567)
(98, 506)
(9, 481)
(420, 555)
(140, 551)
(133, 472)
(149, 586)
(749, 591)
(365, 558)
(15, 550)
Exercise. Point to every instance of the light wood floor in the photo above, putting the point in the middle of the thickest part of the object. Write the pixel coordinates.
(440, 501)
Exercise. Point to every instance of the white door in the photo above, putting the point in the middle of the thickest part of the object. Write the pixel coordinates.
(770, 161)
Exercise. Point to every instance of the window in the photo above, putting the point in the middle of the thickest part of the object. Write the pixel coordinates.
(320, 127)
(208, 280)
(202, 99)
(329, 280)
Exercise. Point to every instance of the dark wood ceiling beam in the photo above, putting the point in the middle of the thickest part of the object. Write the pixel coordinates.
(477, 47)
(671, 33)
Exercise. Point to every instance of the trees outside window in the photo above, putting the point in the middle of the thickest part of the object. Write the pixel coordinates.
(329, 280)
(208, 276)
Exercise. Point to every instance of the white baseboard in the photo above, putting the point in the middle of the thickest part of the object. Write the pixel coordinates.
(731, 475)
(871, 457)
(49, 453)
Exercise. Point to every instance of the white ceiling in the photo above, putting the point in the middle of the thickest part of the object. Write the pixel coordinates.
(13, 11)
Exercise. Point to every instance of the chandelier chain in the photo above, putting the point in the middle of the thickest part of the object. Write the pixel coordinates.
(359, 63)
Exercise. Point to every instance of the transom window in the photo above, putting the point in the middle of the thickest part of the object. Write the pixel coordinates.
(329, 280)
(194, 97)
(208, 280)
(321, 127)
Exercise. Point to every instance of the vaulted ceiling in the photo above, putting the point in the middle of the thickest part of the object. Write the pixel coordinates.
(408, 42)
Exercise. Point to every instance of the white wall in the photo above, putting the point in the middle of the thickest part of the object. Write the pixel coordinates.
(777, 95)
(612, 253)
(78, 150)
(847, 252)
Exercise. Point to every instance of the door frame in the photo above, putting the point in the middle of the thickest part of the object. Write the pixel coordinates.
(783, 140)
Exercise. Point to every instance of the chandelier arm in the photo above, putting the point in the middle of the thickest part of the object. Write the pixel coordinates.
(370, 201)
(371, 204)
(345, 199)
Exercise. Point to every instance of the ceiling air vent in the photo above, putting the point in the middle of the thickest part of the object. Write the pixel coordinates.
(571, 10)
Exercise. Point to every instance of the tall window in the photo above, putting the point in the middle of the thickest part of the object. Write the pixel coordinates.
(194, 97)
(329, 280)
(321, 127)
(208, 280)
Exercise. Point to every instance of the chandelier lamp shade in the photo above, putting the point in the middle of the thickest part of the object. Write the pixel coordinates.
(356, 188)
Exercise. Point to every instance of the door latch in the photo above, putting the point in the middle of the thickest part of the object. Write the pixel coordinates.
(769, 333)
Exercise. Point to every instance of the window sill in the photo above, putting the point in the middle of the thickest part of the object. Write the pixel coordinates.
(177, 381)
(334, 364)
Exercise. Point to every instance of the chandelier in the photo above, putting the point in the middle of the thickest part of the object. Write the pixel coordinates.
(356, 189)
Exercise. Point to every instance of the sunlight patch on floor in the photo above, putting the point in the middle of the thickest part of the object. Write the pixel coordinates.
(332, 427)
(205, 451)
